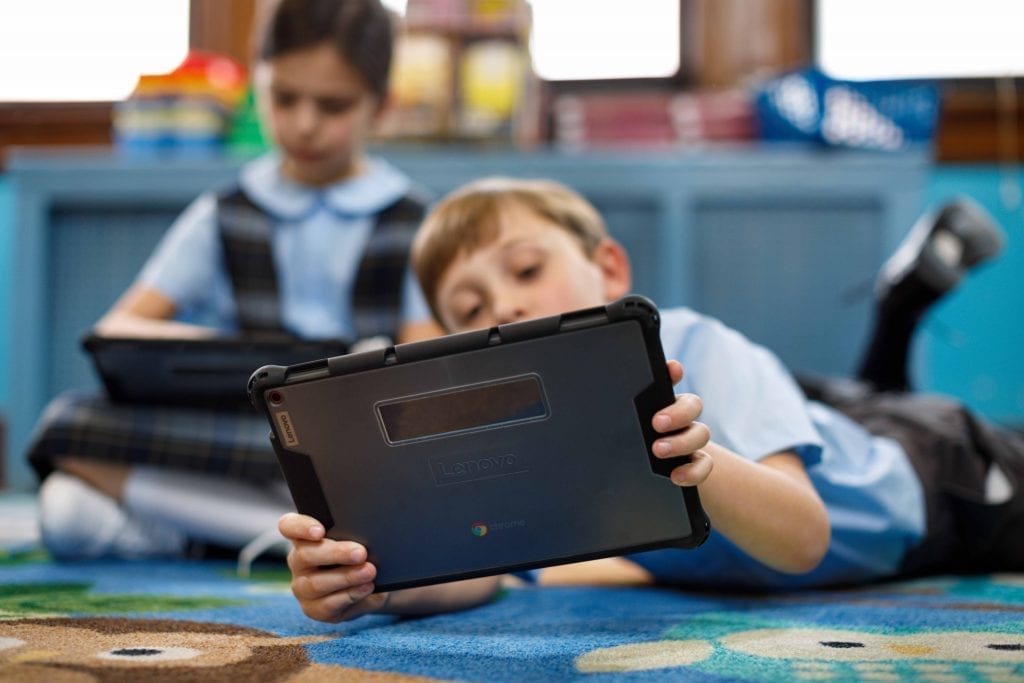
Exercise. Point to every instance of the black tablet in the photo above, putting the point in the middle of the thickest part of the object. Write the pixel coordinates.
(519, 446)
(194, 372)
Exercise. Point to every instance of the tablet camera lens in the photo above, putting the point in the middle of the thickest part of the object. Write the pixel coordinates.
(275, 398)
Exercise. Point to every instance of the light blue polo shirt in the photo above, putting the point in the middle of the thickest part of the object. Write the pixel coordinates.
(318, 241)
(753, 406)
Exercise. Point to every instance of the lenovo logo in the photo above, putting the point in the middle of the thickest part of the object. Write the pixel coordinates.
(285, 428)
(457, 471)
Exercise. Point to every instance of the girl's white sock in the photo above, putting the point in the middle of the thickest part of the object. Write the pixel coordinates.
(76, 521)
(207, 508)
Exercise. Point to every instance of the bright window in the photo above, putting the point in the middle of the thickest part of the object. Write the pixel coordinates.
(887, 39)
(87, 50)
(603, 39)
(395, 5)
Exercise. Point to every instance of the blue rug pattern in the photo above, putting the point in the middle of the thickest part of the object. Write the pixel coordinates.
(176, 620)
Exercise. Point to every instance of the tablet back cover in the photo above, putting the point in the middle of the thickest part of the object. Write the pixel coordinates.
(479, 453)
(193, 372)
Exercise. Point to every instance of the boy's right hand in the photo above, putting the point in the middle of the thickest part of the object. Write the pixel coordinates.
(331, 579)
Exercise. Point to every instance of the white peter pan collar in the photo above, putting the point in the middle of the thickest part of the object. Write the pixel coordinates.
(380, 185)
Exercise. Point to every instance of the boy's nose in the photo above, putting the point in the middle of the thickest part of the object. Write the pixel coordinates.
(509, 312)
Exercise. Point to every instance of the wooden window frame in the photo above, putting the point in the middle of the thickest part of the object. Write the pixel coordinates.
(981, 120)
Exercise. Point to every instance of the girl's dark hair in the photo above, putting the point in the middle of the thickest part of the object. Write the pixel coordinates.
(361, 31)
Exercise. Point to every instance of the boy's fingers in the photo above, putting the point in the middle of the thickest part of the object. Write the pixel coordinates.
(683, 442)
(308, 556)
(326, 582)
(694, 472)
(675, 371)
(294, 526)
(348, 605)
(685, 409)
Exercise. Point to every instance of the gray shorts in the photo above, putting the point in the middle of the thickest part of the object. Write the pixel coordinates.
(952, 450)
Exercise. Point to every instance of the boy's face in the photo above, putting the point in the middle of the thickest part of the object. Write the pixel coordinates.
(532, 269)
(318, 110)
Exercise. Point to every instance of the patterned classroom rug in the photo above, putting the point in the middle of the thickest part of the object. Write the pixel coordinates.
(199, 621)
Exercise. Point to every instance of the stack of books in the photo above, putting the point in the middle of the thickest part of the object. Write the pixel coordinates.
(652, 118)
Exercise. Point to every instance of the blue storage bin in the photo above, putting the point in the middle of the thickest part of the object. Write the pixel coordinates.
(808, 105)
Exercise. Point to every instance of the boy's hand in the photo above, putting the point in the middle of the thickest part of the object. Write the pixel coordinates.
(682, 434)
(331, 579)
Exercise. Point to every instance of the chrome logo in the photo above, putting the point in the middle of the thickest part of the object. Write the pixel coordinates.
(478, 529)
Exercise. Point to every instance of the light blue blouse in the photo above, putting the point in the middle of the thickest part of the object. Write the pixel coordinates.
(753, 406)
(318, 242)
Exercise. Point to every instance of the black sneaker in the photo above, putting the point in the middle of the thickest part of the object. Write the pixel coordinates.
(942, 246)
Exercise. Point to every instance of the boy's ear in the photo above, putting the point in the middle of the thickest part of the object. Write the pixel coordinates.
(613, 261)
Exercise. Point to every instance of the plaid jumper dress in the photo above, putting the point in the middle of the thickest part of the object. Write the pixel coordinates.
(224, 441)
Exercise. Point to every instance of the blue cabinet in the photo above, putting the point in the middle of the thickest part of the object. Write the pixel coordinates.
(779, 242)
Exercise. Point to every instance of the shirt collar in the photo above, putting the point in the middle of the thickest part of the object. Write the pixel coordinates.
(379, 186)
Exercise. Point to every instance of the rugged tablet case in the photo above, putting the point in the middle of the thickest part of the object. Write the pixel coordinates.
(193, 372)
(519, 446)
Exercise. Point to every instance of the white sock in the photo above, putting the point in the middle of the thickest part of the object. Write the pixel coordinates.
(206, 507)
(76, 521)
(998, 488)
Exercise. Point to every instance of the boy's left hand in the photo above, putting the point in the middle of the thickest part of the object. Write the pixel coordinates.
(682, 434)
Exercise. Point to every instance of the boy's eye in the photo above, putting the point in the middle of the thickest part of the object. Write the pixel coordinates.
(527, 272)
(470, 314)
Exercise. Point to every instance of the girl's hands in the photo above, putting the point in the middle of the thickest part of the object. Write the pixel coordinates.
(331, 579)
(683, 435)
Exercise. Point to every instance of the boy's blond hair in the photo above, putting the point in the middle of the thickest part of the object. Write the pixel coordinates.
(467, 218)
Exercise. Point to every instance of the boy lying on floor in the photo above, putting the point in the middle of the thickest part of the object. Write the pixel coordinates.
(882, 484)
